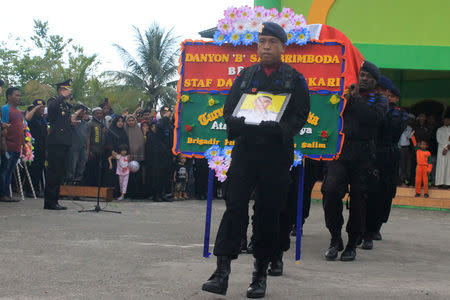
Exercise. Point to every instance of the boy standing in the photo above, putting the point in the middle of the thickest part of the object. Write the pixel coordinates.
(180, 178)
(423, 167)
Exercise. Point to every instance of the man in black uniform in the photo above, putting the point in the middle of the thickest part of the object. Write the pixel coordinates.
(364, 110)
(38, 130)
(58, 143)
(261, 159)
(383, 182)
(95, 147)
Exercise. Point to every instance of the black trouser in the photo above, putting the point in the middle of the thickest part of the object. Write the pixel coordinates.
(340, 174)
(93, 166)
(271, 179)
(405, 163)
(56, 171)
(312, 173)
(383, 187)
(159, 175)
(288, 217)
(201, 178)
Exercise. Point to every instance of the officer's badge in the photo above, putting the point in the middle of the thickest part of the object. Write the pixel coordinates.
(261, 27)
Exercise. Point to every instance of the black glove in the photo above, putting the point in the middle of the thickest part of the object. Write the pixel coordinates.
(270, 127)
(235, 127)
(236, 123)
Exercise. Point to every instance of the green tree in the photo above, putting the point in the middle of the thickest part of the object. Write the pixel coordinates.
(52, 59)
(154, 66)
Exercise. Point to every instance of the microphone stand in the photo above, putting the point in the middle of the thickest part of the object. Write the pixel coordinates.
(97, 207)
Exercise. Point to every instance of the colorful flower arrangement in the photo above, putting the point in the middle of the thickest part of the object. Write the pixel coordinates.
(29, 140)
(219, 160)
(240, 25)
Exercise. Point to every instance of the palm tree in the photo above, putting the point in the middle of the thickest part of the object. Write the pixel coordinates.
(154, 66)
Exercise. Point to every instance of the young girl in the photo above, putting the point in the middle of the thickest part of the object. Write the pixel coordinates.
(122, 168)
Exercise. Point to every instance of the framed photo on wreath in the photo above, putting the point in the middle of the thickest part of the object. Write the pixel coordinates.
(262, 106)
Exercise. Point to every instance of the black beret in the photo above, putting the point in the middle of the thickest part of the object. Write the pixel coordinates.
(385, 82)
(165, 108)
(371, 69)
(64, 84)
(1, 83)
(37, 102)
(273, 29)
(394, 90)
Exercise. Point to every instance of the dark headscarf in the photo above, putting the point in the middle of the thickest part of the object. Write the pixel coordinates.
(116, 136)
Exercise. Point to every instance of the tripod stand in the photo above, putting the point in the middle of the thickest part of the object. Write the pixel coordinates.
(97, 207)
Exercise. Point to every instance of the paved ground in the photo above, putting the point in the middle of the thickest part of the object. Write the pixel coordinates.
(153, 251)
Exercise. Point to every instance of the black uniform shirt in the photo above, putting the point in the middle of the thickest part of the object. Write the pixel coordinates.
(96, 136)
(362, 116)
(38, 130)
(60, 124)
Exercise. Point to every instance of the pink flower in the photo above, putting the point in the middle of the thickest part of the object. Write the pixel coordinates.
(272, 14)
(244, 12)
(225, 26)
(286, 13)
(221, 173)
(298, 21)
(216, 162)
(231, 13)
(260, 12)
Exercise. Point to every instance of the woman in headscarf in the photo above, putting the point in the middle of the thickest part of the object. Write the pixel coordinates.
(137, 152)
(115, 137)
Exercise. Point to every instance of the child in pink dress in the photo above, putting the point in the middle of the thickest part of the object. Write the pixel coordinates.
(122, 168)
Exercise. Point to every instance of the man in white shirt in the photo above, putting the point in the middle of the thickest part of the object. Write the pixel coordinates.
(405, 152)
(443, 153)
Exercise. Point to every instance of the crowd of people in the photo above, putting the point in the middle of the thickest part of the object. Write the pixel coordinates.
(102, 149)
(132, 153)
(435, 134)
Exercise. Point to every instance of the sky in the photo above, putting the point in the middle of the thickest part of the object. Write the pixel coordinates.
(97, 24)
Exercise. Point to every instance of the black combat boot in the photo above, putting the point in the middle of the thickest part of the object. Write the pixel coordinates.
(257, 288)
(336, 245)
(349, 253)
(276, 265)
(367, 243)
(377, 236)
(218, 282)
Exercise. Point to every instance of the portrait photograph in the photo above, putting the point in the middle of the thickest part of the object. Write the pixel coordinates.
(262, 106)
